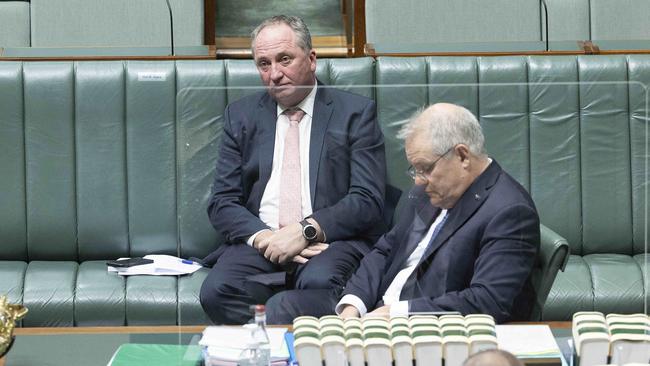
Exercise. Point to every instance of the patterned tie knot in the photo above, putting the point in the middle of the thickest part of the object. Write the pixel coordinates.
(294, 114)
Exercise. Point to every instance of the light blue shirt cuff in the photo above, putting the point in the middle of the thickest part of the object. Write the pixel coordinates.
(351, 300)
(400, 308)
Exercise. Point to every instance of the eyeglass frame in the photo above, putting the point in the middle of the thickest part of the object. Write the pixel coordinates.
(414, 173)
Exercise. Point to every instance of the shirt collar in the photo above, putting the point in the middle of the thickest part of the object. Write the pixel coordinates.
(307, 104)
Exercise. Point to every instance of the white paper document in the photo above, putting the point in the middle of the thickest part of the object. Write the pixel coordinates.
(163, 265)
(528, 341)
(227, 342)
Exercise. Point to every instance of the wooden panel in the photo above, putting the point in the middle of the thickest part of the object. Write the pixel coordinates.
(209, 15)
(359, 28)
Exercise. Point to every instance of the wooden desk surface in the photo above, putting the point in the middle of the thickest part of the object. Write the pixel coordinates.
(176, 329)
(104, 330)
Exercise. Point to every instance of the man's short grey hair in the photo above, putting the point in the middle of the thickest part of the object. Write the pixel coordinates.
(298, 26)
(446, 125)
(493, 357)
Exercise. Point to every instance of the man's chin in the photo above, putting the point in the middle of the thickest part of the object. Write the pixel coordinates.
(283, 96)
(435, 200)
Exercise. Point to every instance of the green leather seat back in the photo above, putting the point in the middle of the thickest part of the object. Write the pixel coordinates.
(151, 156)
(91, 23)
(605, 156)
(102, 51)
(242, 78)
(484, 86)
(200, 100)
(504, 115)
(639, 77)
(425, 22)
(100, 135)
(401, 90)
(13, 218)
(555, 145)
(14, 24)
(619, 20)
(50, 174)
(568, 20)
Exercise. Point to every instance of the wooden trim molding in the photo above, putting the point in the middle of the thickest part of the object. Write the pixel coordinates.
(209, 21)
(211, 56)
(359, 41)
(106, 330)
(370, 51)
(184, 329)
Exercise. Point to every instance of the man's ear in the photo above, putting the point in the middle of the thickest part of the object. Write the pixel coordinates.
(462, 151)
(312, 60)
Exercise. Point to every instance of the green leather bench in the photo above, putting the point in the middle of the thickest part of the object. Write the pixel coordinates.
(100, 160)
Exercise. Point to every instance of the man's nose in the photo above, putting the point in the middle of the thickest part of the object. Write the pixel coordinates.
(420, 180)
(276, 73)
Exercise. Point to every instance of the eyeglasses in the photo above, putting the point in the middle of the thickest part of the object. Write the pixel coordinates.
(422, 173)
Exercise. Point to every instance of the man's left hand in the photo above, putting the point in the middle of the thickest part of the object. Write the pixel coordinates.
(285, 244)
(383, 311)
(311, 251)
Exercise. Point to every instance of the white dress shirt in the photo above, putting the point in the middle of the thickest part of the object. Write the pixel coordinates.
(394, 290)
(392, 294)
(269, 205)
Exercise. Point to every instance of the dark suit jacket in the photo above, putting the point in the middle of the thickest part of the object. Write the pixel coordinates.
(480, 262)
(347, 171)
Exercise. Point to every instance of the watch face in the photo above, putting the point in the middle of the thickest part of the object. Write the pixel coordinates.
(310, 232)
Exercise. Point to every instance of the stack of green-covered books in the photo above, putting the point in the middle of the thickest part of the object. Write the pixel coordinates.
(376, 341)
(612, 339)
(427, 340)
(463, 336)
(354, 342)
(400, 341)
(306, 341)
(591, 338)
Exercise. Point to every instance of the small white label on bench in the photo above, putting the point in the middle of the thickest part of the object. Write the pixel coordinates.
(152, 76)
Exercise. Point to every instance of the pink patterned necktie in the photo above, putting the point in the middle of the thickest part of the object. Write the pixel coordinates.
(290, 206)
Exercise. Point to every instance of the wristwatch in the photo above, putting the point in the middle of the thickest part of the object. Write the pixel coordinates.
(309, 231)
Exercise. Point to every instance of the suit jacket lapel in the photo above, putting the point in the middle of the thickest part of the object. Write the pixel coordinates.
(469, 202)
(320, 121)
(266, 138)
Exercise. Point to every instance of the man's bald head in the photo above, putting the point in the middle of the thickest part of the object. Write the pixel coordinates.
(493, 357)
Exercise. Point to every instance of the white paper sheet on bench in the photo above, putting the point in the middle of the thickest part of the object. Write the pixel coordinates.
(163, 265)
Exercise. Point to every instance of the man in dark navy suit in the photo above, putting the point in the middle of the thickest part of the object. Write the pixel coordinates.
(468, 239)
(299, 185)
